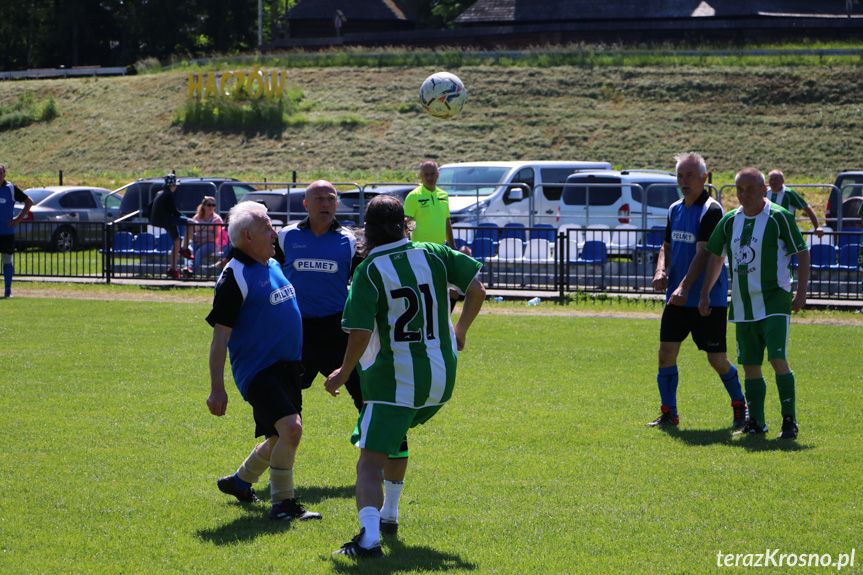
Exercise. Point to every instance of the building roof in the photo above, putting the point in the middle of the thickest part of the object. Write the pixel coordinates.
(351, 9)
(526, 11)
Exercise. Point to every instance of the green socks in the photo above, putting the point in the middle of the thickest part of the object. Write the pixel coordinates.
(785, 385)
(756, 391)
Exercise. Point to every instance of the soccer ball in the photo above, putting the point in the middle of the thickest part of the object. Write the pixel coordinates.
(442, 95)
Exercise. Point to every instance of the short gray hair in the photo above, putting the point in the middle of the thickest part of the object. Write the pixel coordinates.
(242, 217)
(691, 157)
(759, 175)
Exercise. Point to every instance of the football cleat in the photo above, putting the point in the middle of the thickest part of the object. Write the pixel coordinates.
(665, 418)
(187, 273)
(291, 509)
(226, 485)
(353, 550)
(187, 253)
(741, 414)
(789, 428)
(752, 427)
(389, 526)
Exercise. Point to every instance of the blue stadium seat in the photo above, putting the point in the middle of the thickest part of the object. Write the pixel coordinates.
(544, 232)
(145, 242)
(482, 248)
(847, 258)
(823, 256)
(123, 242)
(514, 230)
(593, 252)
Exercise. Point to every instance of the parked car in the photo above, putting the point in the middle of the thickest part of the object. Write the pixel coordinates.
(284, 205)
(64, 218)
(483, 191)
(619, 197)
(852, 182)
(137, 195)
(351, 205)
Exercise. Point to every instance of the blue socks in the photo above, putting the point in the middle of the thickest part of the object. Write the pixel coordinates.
(667, 382)
(732, 385)
(8, 271)
(240, 484)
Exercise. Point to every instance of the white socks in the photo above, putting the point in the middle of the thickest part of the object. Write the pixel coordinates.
(370, 520)
(392, 493)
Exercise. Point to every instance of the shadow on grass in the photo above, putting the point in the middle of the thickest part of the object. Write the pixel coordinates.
(247, 528)
(256, 522)
(400, 558)
(312, 495)
(723, 436)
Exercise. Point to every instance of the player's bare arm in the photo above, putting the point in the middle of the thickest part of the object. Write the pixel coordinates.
(217, 402)
(679, 296)
(358, 341)
(660, 278)
(473, 300)
(711, 274)
(804, 259)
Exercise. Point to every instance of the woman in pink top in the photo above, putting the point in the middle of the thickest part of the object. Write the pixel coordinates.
(206, 239)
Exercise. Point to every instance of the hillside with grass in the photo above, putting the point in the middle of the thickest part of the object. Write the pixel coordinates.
(365, 124)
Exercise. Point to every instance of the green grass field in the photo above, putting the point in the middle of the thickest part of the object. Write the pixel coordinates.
(541, 463)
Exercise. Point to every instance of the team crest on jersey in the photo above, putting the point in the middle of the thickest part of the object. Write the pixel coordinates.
(744, 256)
(423, 202)
(309, 265)
(282, 295)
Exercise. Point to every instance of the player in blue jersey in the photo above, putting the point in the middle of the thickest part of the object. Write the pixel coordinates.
(9, 194)
(255, 316)
(319, 257)
(680, 273)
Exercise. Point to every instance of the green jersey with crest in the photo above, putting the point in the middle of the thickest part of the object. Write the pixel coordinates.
(759, 251)
(400, 293)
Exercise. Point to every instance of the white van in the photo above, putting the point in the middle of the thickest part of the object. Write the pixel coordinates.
(611, 198)
(478, 191)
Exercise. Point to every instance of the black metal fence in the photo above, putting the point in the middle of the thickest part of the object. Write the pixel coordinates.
(514, 257)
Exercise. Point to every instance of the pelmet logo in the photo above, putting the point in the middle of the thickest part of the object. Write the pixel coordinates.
(282, 294)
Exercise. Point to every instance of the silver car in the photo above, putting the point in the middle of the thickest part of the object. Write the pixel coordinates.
(65, 218)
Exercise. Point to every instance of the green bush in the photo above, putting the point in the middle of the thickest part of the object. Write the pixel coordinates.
(236, 115)
(27, 111)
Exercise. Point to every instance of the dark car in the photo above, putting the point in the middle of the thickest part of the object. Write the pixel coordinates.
(352, 203)
(284, 205)
(190, 191)
(65, 218)
(850, 184)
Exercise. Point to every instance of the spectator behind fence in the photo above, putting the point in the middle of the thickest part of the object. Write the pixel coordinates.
(164, 214)
(789, 199)
(206, 240)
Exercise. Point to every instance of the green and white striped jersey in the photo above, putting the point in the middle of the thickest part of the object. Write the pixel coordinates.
(759, 250)
(400, 293)
(788, 199)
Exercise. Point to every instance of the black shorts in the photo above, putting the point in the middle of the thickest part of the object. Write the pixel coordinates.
(275, 393)
(708, 333)
(324, 344)
(7, 243)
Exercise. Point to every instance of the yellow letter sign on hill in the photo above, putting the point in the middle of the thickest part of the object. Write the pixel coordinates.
(255, 84)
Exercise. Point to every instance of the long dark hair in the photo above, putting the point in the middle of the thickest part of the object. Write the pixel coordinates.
(385, 222)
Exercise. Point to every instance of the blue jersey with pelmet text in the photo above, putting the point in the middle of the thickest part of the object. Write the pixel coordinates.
(267, 326)
(319, 267)
(686, 227)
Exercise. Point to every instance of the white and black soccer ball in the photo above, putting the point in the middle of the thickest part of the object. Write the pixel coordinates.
(443, 95)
